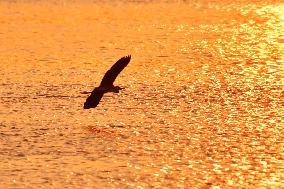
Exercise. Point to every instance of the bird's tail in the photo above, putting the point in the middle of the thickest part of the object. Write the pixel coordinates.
(86, 92)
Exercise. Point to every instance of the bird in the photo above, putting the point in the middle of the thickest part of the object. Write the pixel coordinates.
(106, 84)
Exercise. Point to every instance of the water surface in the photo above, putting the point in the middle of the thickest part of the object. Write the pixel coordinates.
(201, 108)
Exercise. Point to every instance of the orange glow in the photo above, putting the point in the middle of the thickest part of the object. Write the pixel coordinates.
(202, 105)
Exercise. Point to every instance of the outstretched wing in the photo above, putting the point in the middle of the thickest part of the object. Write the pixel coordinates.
(113, 72)
(94, 99)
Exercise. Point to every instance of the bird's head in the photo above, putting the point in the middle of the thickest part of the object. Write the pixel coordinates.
(116, 89)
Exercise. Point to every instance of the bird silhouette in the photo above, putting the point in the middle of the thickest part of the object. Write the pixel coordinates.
(107, 83)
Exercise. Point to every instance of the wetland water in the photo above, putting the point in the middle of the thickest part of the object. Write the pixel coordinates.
(201, 107)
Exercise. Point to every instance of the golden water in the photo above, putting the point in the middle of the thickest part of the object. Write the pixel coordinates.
(201, 107)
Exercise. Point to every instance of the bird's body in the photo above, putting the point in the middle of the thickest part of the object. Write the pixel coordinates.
(107, 83)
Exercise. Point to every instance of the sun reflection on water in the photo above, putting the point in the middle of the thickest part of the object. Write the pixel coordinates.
(202, 105)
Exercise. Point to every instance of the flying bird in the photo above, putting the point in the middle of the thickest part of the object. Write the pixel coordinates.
(107, 83)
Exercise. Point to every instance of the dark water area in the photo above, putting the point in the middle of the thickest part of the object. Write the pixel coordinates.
(202, 105)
